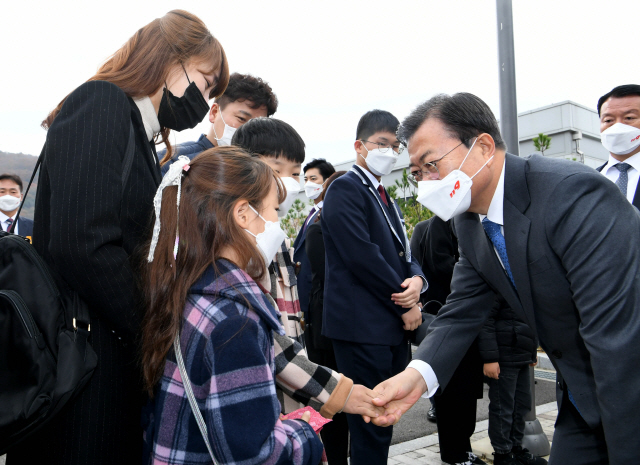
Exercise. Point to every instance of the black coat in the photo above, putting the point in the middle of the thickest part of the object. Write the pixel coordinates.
(87, 226)
(315, 254)
(506, 339)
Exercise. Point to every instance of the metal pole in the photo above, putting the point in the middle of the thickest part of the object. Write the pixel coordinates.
(534, 438)
(507, 74)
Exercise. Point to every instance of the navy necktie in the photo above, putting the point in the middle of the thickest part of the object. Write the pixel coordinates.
(497, 239)
(623, 179)
(9, 222)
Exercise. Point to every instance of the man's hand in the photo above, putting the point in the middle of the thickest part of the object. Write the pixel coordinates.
(412, 319)
(397, 395)
(360, 402)
(410, 297)
(534, 363)
(492, 370)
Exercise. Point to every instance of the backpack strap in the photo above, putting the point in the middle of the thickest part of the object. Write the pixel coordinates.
(126, 170)
(192, 399)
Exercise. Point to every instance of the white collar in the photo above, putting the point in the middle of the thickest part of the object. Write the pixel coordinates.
(4, 217)
(633, 160)
(149, 116)
(371, 177)
(319, 205)
(495, 213)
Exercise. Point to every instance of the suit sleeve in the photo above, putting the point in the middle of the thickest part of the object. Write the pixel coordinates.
(344, 217)
(594, 232)
(314, 246)
(87, 143)
(487, 341)
(458, 322)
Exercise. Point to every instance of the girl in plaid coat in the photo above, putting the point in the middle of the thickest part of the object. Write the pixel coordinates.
(207, 255)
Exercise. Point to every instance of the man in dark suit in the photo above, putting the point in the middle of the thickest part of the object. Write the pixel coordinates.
(316, 172)
(619, 112)
(559, 243)
(10, 198)
(372, 285)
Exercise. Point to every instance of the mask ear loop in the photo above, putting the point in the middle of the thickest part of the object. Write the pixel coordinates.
(470, 148)
(214, 127)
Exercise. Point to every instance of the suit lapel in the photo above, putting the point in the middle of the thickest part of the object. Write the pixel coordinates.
(363, 177)
(516, 230)
(150, 155)
(302, 236)
(636, 197)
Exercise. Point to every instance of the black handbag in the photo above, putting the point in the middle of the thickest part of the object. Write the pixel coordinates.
(45, 355)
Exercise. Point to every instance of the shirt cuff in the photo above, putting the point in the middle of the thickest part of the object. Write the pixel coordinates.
(425, 284)
(428, 374)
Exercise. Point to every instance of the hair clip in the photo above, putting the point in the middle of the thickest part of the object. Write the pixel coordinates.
(186, 167)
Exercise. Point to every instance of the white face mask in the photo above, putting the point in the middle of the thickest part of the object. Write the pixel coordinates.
(620, 139)
(380, 163)
(450, 196)
(227, 135)
(313, 190)
(8, 203)
(270, 240)
(292, 187)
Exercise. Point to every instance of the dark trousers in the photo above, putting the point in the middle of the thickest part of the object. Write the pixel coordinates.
(509, 403)
(335, 435)
(456, 408)
(574, 441)
(369, 365)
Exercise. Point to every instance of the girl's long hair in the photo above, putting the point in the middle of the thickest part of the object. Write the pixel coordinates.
(215, 181)
(140, 67)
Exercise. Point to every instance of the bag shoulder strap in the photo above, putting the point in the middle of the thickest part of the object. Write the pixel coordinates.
(192, 400)
(128, 156)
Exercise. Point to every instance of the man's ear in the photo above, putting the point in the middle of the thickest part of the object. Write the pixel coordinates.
(359, 146)
(242, 213)
(487, 145)
(213, 112)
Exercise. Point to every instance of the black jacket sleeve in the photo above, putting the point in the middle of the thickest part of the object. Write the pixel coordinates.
(314, 247)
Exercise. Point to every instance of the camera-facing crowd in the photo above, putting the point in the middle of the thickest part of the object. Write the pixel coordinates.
(214, 333)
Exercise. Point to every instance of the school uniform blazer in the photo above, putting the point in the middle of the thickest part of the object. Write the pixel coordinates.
(573, 248)
(25, 227)
(300, 256)
(367, 259)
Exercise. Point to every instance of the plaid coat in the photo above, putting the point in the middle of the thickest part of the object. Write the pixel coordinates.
(227, 344)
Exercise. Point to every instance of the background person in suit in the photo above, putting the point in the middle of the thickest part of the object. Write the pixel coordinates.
(560, 245)
(316, 172)
(372, 285)
(87, 224)
(10, 198)
(335, 435)
(246, 97)
(619, 112)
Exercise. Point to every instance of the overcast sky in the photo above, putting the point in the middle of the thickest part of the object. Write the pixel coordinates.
(331, 61)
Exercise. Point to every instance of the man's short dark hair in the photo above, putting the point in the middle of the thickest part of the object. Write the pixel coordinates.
(618, 92)
(243, 87)
(464, 115)
(12, 177)
(270, 137)
(325, 168)
(376, 121)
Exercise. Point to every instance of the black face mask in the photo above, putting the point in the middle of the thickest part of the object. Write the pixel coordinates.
(180, 113)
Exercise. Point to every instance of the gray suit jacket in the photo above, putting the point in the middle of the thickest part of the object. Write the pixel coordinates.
(572, 244)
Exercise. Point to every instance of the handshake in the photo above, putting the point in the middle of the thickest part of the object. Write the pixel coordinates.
(385, 404)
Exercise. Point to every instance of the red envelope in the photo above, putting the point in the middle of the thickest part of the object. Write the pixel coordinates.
(316, 421)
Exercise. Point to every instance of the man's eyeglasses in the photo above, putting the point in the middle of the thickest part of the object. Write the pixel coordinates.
(384, 148)
(428, 170)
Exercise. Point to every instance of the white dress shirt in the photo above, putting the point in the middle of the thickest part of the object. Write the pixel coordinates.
(495, 213)
(317, 208)
(633, 174)
(5, 226)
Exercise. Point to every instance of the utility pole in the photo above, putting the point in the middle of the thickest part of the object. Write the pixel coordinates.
(534, 438)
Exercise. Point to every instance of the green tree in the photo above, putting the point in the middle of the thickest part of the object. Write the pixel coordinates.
(294, 219)
(412, 210)
(542, 142)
